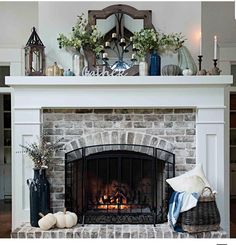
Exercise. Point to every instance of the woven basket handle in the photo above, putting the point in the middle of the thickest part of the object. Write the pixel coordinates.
(205, 189)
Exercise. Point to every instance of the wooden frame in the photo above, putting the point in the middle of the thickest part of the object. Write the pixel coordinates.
(94, 15)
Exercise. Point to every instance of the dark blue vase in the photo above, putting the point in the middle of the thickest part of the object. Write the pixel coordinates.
(44, 192)
(155, 64)
(34, 198)
(39, 189)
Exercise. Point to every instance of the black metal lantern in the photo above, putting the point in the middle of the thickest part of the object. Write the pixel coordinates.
(34, 56)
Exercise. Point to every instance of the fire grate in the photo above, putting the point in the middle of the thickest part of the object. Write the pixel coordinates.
(118, 184)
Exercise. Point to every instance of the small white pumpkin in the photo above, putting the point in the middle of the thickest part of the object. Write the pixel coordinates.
(47, 221)
(65, 219)
(187, 72)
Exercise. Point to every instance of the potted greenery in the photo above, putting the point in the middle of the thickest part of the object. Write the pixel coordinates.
(151, 42)
(82, 38)
(41, 153)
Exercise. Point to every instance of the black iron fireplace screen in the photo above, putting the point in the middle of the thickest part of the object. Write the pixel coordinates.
(118, 184)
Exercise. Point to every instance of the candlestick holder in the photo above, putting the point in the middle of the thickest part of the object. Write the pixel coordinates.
(215, 70)
(200, 71)
(215, 62)
(200, 62)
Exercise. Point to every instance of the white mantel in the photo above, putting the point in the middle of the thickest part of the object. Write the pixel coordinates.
(208, 94)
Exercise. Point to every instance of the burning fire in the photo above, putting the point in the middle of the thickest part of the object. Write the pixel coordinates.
(113, 201)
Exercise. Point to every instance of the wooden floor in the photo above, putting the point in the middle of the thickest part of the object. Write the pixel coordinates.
(5, 219)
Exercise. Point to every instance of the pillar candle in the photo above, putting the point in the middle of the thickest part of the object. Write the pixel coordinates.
(215, 47)
(107, 44)
(113, 35)
(104, 55)
(200, 44)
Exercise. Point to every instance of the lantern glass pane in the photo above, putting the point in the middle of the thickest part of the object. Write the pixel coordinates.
(35, 61)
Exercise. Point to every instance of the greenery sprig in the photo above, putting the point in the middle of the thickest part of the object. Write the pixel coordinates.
(41, 152)
(82, 36)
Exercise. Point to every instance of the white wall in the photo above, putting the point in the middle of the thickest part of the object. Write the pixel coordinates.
(16, 21)
(218, 18)
(59, 17)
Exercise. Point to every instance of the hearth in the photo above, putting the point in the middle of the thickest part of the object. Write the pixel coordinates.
(118, 183)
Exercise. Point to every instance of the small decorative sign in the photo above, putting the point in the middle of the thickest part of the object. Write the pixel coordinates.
(100, 72)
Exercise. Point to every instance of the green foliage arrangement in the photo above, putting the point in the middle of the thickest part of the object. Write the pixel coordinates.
(149, 39)
(41, 152)
(82, 36)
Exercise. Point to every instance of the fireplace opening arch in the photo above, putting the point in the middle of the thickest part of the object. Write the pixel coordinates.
(118, 183)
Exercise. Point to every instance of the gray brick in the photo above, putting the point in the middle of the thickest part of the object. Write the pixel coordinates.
(102, 124)
(154, 141)
(73, 117)
(154, 118)
(163, 111)
(73, 132)
(93, 117)
(123, 111)
(21, 235)
(184, 110)
(173, 118)
(103, 111)
(143, 111)
(94, 234)
(184, 139)
(134, 234)
(48, 124)
(38, 234)
(125, 124)
(118, 234)
(155, 131)
(175, 131)
(113, 118)
(142, 124)
(168, 124)
(126, 235)
(190, 161)
(133, 118)
(190, 117)
(53, 117)
(82, 111)
(114, 137)
(130, 138)
(190, 131)
(63, 124)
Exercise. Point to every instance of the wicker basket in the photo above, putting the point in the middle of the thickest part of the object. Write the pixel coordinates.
(204, 217)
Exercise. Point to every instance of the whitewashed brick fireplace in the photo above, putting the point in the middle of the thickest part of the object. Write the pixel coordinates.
(205, 96)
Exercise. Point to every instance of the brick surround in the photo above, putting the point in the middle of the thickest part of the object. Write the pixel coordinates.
(111, 231)
(170, 129)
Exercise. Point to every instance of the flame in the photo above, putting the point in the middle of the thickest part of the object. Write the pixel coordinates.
(113, 202)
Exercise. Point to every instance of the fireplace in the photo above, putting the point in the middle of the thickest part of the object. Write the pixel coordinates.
(118, 183)
(206, 142)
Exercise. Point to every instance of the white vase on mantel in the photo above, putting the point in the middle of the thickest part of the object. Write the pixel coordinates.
(78, 63)
(143, 68)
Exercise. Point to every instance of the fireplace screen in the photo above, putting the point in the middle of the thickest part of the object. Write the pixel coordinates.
(118, 184)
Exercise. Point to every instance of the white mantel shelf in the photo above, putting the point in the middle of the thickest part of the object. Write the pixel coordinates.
(117, 80)
(207, 94)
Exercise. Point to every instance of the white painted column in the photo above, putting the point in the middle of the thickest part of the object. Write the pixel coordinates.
(210, 143)
(26, 129)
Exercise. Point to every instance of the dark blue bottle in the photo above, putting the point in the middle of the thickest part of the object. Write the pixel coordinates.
(34, 198)
(44, 192)
(155, 64)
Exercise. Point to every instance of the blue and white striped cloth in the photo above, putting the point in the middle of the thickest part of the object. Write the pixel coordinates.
(180, 202)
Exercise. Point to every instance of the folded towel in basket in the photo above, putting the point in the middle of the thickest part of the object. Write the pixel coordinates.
(180, 202)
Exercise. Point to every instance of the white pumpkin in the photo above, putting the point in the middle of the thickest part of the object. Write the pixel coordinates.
(47, 221)
(187, 72)
(65, 219)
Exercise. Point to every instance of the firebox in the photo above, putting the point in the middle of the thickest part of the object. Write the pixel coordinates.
(118, 184)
